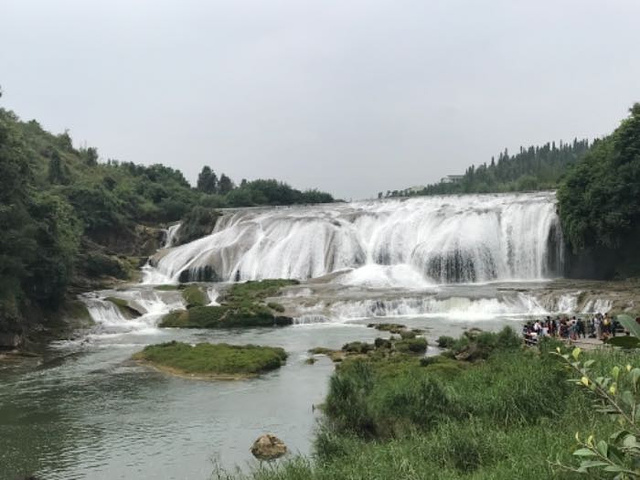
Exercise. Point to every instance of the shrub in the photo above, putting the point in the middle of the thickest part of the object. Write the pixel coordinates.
(413, 345)
(445, 341)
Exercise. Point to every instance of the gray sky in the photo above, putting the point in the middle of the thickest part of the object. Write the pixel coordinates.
(348, 96)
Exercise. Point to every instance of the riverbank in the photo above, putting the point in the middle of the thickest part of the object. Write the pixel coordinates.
(512, 415)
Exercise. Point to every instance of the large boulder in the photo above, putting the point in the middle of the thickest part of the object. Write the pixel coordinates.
(268, 447)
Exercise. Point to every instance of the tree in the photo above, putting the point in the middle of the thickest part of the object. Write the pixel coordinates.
(225, 185)
(207, 181)
(92, 156)
(57, 173)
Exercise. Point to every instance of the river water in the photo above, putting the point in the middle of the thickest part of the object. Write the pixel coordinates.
(84, 410)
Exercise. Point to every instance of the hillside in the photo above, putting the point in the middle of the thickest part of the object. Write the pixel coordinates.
(532, 168)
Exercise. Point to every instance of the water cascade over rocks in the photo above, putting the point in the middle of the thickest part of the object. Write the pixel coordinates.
(446, 239)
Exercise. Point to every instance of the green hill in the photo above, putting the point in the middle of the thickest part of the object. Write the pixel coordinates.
(532, 168)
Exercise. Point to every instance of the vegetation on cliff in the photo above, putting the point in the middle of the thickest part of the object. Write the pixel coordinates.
(243, 305)
(212, 360)
(599, 200)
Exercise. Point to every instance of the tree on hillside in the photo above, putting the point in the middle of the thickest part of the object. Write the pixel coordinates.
(91, 155)
(225, 185)
(207, 181)
(57, 173)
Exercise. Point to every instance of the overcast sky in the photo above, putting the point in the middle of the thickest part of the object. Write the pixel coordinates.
(348, 96)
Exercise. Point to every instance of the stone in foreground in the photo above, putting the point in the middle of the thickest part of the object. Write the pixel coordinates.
(268, 447)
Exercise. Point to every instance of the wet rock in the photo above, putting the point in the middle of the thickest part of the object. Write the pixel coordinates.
(268, 447)
(10, 341)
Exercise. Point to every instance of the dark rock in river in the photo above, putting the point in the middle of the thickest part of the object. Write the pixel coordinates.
(268, 447)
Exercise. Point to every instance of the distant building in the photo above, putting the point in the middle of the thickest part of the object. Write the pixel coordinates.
(452, 179)
(417, 188)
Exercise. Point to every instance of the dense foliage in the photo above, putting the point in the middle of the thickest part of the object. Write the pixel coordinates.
(600, 198)
(533, 168)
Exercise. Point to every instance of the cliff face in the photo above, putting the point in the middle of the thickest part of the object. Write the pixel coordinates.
(601, 263)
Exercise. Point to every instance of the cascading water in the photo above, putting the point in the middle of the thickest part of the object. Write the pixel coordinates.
(472, 238)
(149, 304)
(170, 235)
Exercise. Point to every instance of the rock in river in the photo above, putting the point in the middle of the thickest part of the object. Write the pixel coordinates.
(268, 447)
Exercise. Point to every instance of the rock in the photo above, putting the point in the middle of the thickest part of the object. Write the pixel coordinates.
(268, 447)
(10, 340)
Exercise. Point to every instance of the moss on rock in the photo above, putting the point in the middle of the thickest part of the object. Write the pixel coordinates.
(241, 306)
(124, 307)
(194, 296)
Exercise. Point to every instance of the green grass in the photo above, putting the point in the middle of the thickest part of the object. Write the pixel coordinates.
(208, 359)
(510, 413)
(194, 296)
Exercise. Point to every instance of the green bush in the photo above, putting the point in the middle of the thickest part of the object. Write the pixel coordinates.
(413, 345)
(194, 296)
(98, 264)
(445, 341)
(199, 222)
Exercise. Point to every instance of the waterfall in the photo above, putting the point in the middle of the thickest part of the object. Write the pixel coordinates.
(445, 239)
(151, 305)
(170, 235)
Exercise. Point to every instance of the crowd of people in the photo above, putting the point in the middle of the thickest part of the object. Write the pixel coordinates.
(598, 326)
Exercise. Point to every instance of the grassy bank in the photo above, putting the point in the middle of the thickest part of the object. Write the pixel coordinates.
(243, 305)
(502, 413)
(208, 360)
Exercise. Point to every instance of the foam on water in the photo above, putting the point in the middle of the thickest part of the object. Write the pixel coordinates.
(386, 276)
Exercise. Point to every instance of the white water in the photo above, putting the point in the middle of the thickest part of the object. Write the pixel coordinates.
(461, 308)
(111, 323)
(472, 238)
(170, 235)
(213, 294)
(510, 305)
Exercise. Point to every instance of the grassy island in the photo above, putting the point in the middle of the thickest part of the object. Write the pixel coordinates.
(243, 305)
(216, 361)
